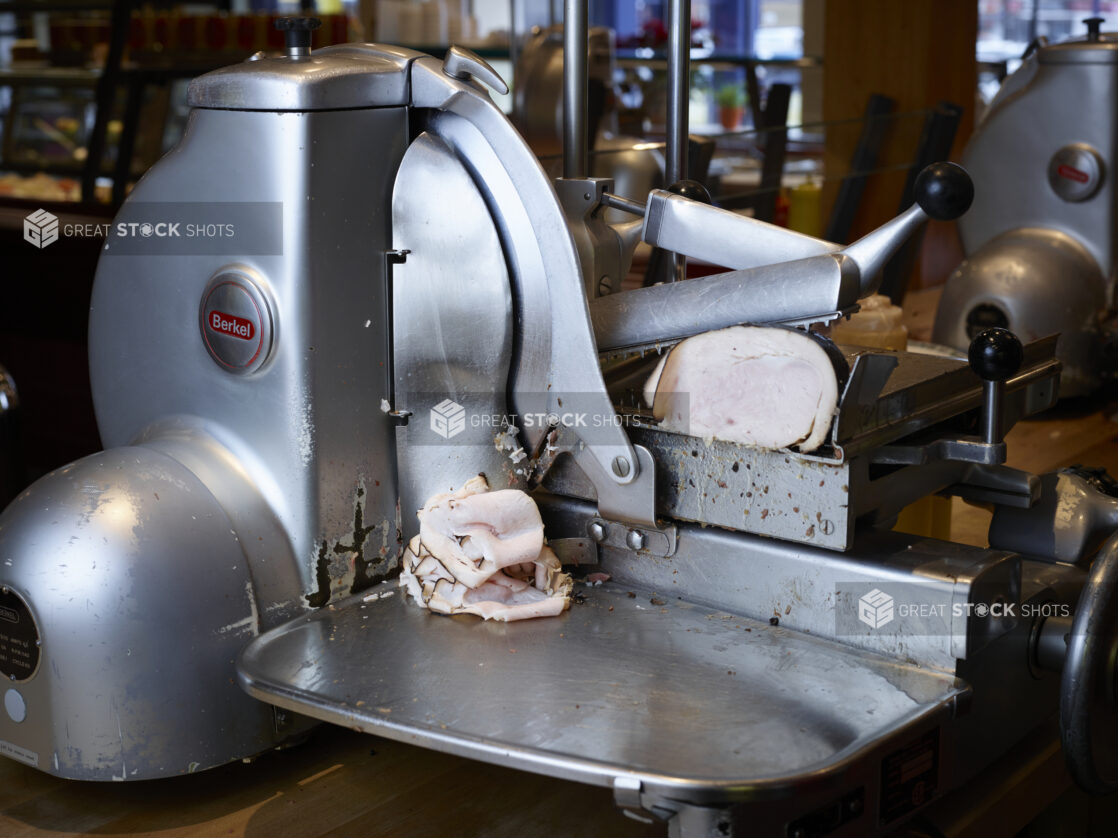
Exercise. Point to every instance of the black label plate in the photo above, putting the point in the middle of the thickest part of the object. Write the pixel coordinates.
(19, 638)
(908, 777)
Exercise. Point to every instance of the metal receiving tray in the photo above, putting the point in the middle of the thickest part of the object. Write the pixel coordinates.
(624, 690)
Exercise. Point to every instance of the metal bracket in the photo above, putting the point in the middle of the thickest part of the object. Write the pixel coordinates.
(960, 449)
(392, 257)
(868, 376)
(657, 542)
(634, 502)
(282, 720)
(1000, 485)
(627, 792)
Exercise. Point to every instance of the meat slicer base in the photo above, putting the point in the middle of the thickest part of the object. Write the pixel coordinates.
(671, 704)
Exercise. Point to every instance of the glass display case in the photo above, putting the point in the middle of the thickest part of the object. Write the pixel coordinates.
(95, 91)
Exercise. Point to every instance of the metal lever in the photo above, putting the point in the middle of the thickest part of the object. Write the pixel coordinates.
(791, 278)
(618, 202)
(461, 63)
(944, 191)
(995, 355)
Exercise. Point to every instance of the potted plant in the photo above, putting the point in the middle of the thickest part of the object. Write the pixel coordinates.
(730, 99)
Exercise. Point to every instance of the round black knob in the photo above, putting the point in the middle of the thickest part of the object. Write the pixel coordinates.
(995, 354)
(691, 189)
(297, 31)
(944, 191)
(1094, 28)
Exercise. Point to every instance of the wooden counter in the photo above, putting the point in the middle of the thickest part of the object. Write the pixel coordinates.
(339, 783)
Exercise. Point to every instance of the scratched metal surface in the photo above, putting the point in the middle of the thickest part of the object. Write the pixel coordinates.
(925, 389)
(697, 704)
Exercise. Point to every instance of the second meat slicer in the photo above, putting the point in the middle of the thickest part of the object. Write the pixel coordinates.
(1040, 240)
(381, 260)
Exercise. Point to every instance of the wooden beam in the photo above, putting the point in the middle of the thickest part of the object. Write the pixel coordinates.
(919, 53)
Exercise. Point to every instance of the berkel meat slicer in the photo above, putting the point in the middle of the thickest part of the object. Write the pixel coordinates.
(381, 259)
(1040, 239)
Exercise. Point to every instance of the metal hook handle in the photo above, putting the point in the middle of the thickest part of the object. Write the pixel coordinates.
(461, 63)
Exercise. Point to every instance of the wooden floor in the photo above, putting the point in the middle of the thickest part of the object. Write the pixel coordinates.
(341, 783)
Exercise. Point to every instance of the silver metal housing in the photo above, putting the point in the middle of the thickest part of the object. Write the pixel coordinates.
(1040, 237)
(118, 557)
(233, 499)
(1035, 282)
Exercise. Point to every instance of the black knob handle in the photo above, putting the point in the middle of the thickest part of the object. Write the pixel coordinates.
(297, 31)
(1094, 28)
(691, 189)
(995, 354)
(944, 191)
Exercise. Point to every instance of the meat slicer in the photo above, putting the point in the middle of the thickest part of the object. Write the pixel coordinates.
(1040, 238)
(297, 318)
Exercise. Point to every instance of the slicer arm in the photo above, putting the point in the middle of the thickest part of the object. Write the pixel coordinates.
(783, 293)
(681, 225)
(673, 222)
(782, 276)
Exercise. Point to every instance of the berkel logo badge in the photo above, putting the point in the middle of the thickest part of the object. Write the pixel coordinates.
(230, 324)
(9, 615)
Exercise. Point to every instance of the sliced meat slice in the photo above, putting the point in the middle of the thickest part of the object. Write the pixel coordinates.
(481, 552)
(476, 535)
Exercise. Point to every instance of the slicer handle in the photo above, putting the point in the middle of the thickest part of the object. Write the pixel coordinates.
(944, 191)
(995, 355)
